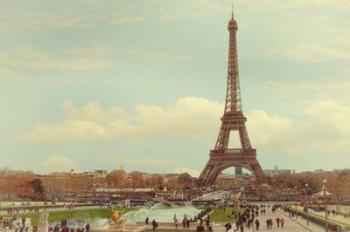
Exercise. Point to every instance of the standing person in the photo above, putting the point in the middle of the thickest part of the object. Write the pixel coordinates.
(282, 222)
(176, 222)
(257, 224)
(87, 227)
(228, 226)
(241, 228)
(278, 222)
(154, 224)
(147, 221)
(188, 223)
(200, 228)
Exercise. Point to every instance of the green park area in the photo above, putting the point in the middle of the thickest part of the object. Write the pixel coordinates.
(169, 230)
(94, 213)
(224, 214)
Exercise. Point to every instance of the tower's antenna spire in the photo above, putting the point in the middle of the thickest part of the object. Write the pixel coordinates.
(232, 11)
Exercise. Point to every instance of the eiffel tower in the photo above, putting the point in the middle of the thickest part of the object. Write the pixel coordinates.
(222, 157)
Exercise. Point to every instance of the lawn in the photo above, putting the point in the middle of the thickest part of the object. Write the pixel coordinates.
(169, 230)
(221, 215)
(78, 213)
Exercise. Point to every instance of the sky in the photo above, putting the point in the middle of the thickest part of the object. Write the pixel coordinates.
(100, 84)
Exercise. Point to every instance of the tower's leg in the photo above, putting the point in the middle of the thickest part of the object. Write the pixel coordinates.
(238, 171)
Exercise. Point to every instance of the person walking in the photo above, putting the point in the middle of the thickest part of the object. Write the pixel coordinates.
(278, 222)
(282, 222)
(241, 228)
(154, 224)
(176, 222)
(257, 224)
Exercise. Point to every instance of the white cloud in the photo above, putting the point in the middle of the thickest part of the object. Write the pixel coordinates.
(6, 74)
(187, 117)
(320, 89)
(324, 129)
(70, 15)
(289, 4)
(54, 163)
(311, 51)
(35, 59)
(316, 53)
(159, 55)
(192, 172)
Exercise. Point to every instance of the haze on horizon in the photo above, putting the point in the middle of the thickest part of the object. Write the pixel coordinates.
(99, 84)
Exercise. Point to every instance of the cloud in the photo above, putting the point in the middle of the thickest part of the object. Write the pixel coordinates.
(35, 59)
(310, 50)
(159, 55)
(316, 53)
(7, 74)
(146, 161)
(290, 4)
(54, 163)
(78, 15)
(321, 89)
(323, 129)
(192, 172)
(186, 117)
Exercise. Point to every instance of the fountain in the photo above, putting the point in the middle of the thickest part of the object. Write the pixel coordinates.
(160, 212)
(81, 222)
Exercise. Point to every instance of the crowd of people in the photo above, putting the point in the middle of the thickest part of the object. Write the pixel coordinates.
(249, 219)
(246, 220)
(14, 223)
(187, 220)
(64, 227)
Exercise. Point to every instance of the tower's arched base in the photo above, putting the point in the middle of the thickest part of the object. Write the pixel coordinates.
(221, 160)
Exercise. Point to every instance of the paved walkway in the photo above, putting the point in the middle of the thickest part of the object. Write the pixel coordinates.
(337, 218)
(312, 227)
(291, 224)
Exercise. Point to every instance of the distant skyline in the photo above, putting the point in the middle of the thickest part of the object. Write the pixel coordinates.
(91, 84)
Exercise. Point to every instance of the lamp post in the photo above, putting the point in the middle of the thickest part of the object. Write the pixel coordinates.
(295, 202)
(324, 193)
(295, 198)
(307, 203)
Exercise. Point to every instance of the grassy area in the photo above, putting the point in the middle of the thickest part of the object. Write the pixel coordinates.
(170, 230)
(64, 214)
(221, 215)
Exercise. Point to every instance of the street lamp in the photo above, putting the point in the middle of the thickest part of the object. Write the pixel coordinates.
(324, 192)
(295, 201)
(306, 203)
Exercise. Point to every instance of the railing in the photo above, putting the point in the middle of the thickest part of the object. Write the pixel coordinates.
(234, 151)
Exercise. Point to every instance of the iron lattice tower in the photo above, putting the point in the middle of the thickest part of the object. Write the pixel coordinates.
(222, 157)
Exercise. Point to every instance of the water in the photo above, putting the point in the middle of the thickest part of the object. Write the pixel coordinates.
(161, 213)
(80, 222)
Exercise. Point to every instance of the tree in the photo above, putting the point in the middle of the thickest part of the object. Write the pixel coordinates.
(137, 180)
(116, 179)
(185, 181)
(38, 188)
